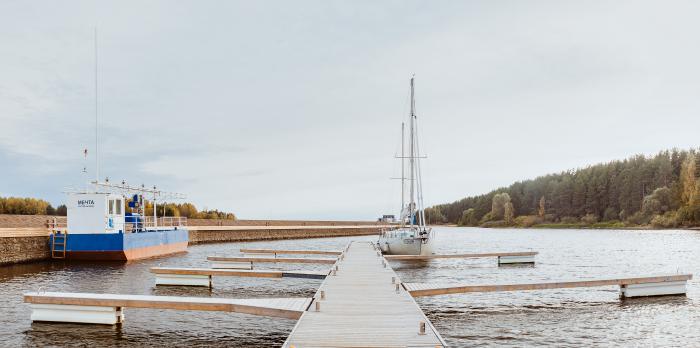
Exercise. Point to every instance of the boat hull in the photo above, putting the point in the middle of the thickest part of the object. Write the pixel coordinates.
(405, 245)
(125, 246)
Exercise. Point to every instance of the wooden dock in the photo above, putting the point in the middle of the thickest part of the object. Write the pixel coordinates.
(632, 287)
(272, 259)
(107, 308)
(503, 257)
(291, 252)
(203, 276)
(360, 306)
(457, 256)
(240, 273)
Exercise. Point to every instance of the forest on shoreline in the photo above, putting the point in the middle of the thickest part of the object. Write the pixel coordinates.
(660, 191)
(34, 206)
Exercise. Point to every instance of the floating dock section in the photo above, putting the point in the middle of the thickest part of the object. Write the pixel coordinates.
(203, 276)
(247, 262)
(108, 308)
(503, 257)
(291, 252)
(363, 305)
(629, 287)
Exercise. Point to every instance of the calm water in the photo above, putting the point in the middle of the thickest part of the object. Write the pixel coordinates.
(569, 317)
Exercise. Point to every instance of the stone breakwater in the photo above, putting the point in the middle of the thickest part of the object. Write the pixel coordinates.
(24, 238)
(23, 249)
(204, 234)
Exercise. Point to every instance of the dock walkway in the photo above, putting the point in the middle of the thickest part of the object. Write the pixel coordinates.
(359, 306)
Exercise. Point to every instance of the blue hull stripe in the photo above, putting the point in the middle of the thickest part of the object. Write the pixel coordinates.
(123, 241)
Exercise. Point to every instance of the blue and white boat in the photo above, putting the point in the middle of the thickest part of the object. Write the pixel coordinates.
(99, 228)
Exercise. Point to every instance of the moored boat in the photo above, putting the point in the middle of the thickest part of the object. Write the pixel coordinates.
(412, 237)
(99, 227)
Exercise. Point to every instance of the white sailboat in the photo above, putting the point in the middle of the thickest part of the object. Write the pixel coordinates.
(412, 237)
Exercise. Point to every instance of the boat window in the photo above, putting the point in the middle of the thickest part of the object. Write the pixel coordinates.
(111, 206)
(119, 206)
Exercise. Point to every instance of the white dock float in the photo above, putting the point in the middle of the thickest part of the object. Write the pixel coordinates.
(629, 287)
(516, 259)
(203, 276)
(503, 257)
(360, 306)
(108, 308)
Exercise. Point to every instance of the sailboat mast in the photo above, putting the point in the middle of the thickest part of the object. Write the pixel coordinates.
(411, 156)
(403, 166)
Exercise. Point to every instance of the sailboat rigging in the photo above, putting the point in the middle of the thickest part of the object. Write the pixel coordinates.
(413, 237)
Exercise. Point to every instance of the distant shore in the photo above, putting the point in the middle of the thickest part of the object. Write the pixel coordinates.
(597, 226)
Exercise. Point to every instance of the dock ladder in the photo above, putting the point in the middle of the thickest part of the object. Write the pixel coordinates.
(58, 241)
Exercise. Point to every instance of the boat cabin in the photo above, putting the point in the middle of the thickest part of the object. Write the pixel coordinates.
(90, 213)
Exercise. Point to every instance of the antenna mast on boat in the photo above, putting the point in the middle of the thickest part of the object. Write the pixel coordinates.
(97, 143)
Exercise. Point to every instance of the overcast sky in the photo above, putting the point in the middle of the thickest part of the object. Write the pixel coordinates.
(292, 109)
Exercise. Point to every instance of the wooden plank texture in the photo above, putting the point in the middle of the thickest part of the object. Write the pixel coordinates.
(272, 259)
(290, 252)
(240, 273)
(432, 289)
(362, 308)
(458, 256)
(290, 308)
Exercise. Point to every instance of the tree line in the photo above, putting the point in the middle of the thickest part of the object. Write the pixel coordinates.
(662, 190)
(30, 206)
(187, 210)
(34, 206)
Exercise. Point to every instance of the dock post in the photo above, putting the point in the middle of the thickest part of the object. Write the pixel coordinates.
(318, 306)
(421, 328)
(323, 295)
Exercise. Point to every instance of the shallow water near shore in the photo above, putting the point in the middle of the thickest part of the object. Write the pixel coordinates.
(560, 317)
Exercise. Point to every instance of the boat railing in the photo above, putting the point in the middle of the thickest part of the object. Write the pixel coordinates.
(394, 233)
(56, 226)
(148, 223)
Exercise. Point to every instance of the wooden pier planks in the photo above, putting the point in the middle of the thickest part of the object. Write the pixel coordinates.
(458, 256)
(290, 308)
(240, 273)
(290, 252)
(273, 259)
(432, 289)
(363, 309)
